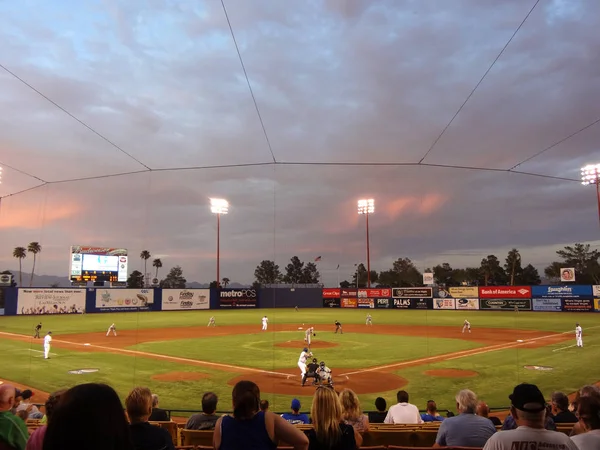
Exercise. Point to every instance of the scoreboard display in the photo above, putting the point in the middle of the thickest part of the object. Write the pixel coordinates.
(97, 264)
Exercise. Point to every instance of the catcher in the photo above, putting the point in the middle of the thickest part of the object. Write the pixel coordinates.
(308, 334)
(324, 374)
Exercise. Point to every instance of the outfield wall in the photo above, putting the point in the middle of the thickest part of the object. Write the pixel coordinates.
(561, 298)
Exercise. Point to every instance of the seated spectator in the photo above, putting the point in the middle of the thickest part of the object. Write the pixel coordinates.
(528, 408)
(249, 427)
(295, 418)
(158, 414)
(207, 419)
(88, 416)
(329, 431)
(483, 410)
(589, 417)
(13, 431)
(379, 415)
(467, 429)
(403, 412)
(352, 412)
(585, 391)
(145, 436)
(510, 423)
(560, 409)
(264, 405)
(36, 440)
(32, 411)
(431, 415)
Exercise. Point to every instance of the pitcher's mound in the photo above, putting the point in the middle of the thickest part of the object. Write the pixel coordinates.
(302, 344)
(451, 373)
(179, 376)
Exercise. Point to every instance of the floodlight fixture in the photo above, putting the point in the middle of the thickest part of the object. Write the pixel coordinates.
(219, 206)
(590, 174)
(366, 206)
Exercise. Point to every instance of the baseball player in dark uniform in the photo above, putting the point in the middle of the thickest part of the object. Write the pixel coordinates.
(311, 372)
(37, 330)
(338, 326)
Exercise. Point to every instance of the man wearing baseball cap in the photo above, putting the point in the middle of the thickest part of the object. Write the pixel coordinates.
(295, 418)
(528, 408)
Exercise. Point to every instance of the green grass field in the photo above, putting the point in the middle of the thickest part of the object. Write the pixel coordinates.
(498, 370)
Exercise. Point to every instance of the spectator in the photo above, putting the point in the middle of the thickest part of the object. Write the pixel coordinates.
(560, 409)
(13, 431)
(36, 440)
(264, 405)
(295, 418)
(510, 423)
(329, 431)
(589, 417)
(403, 412)
(251, 428)
(32, 411)
(89, 416)
(528, 407)
(585, 391)
(17, 401)
(145, 436)
(352, 412)
(379, 415)
(431, 415)
(466, 429)
(483, 410)
(158, 414)
(207, 419)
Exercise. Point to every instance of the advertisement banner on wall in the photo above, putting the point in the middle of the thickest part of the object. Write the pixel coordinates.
(185, 299)
(51, 301)
(505, 304)
(597, 304)
(578, 304)
(366, 303)
(331, 293)
(467, 303)
(464, 292)
(124, 299)
(412, 292)
(373, 293)
(596, 290)
(349, 292)
(444, 303)
(237, 298)
(412, 303)
(332, 303)
(505, 292)
(349, 302)
(547, 304)
(568, 291)
(382, 302)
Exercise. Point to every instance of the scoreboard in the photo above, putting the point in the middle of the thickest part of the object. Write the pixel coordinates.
(97, 264)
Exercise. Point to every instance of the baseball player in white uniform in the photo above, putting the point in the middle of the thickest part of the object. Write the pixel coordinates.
(265, 322)
(112, 328)
(302, 360)
(369, 320)
(579, 335)
(47, 341)
(211, 321)
(466, 326)
(308, 336)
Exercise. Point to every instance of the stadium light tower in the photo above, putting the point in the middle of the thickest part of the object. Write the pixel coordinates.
(367, 207)
(219, 206)
(590, 174)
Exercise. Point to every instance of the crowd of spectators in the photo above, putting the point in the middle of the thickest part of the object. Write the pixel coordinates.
(91, 416)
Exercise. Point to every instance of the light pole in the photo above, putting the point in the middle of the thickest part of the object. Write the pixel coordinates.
(590, 174)
(367, 207)
(219, 206)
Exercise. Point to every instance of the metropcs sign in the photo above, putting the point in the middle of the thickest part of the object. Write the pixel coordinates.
(238, 293)
(505, 292)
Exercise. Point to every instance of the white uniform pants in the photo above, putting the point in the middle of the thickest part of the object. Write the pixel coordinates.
(46, 351)
(264, 326)
(579, 342)
(302, 368)
(113, 330)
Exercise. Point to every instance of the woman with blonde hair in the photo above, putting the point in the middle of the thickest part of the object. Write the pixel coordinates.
(329, 430)
(351, 411)
(589, 419)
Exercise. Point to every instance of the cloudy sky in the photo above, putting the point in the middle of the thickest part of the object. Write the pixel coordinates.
(130, 114)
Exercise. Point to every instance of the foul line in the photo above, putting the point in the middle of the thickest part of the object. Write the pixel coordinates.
(563, 348)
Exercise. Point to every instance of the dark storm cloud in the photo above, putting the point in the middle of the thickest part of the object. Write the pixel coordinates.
(335, 81)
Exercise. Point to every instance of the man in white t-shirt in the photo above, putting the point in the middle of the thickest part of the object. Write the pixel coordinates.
(578, 335)
(47, 341)
(528, 408)
(403, 412)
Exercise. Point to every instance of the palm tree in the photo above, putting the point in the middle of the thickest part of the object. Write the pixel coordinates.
(158, 264)
(35, 248)
(145, 255)
(225, 281)
(20, 253)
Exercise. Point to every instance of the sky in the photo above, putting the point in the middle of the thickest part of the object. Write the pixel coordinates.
(121, 118)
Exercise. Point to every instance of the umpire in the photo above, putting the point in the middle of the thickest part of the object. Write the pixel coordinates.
(311, 372)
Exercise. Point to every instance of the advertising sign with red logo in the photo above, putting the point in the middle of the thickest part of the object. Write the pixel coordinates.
(349, 302)
(366, 303)
(370, 293)
(331, 293)
(505, 291)
(349, 292)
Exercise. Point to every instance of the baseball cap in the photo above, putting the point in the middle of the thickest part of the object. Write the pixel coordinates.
(26, 394)
(295, 404)
(528, 398)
